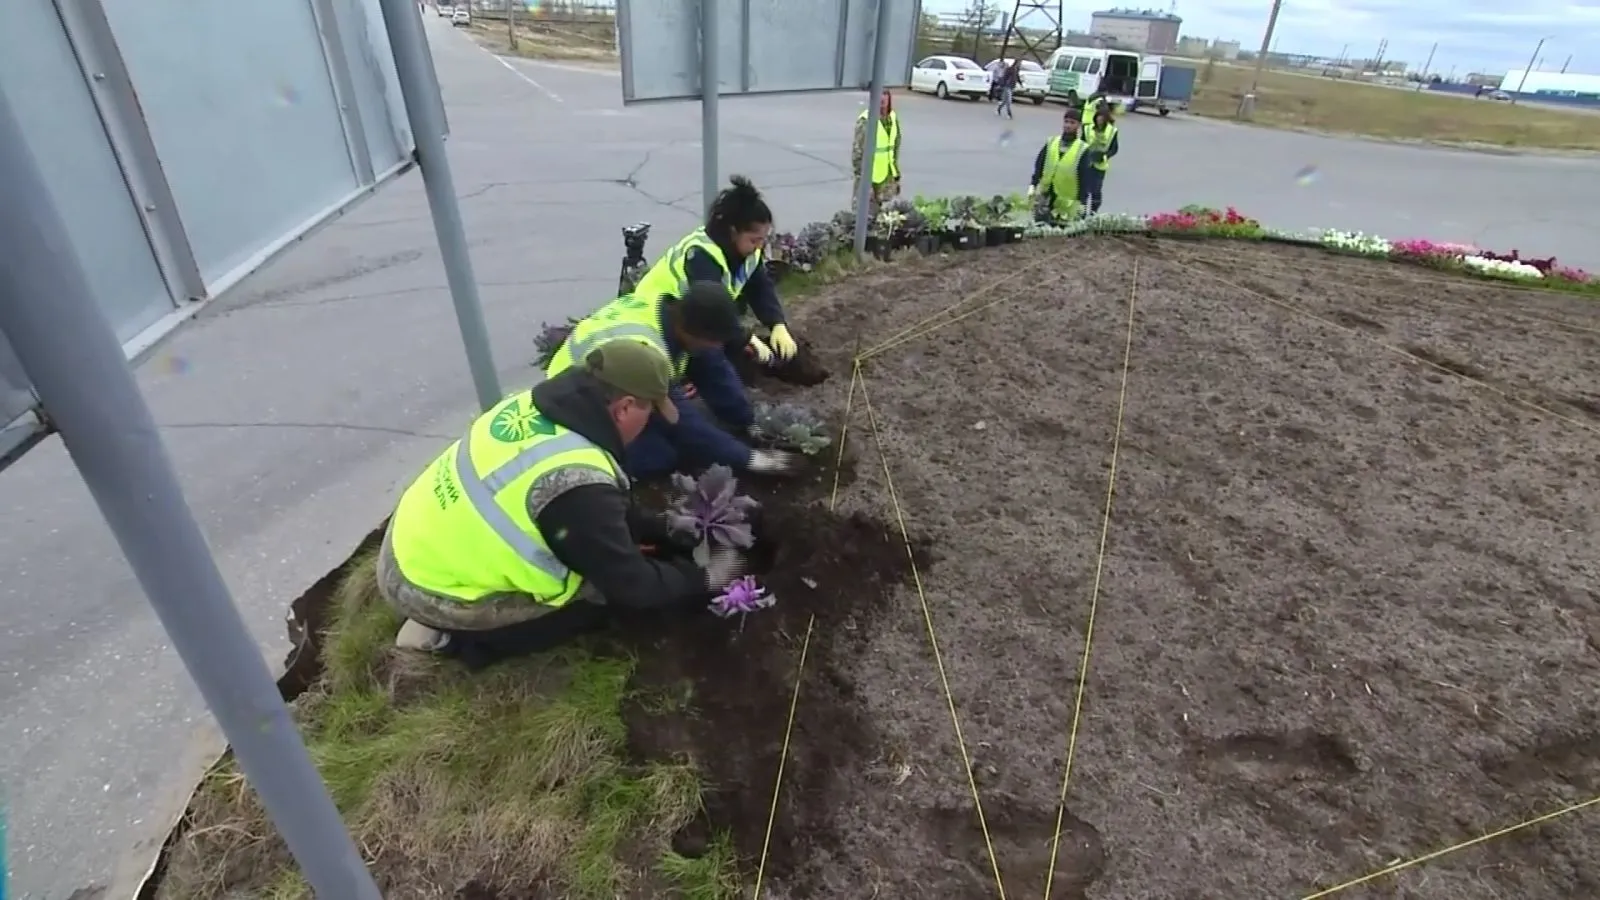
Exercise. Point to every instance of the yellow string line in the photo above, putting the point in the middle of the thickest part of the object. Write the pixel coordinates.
(1480, 839)
(1464, 282)
(990, 287)
(1298, 310)
(908, 338)
(1094, 593)
(783, 756)
(933, 639)
(844, 429)
(794, 699)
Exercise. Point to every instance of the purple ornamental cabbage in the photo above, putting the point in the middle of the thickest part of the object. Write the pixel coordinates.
(744, 595)
(712, 509)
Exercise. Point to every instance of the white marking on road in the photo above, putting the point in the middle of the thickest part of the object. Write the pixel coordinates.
(584, 70)
(524, 76)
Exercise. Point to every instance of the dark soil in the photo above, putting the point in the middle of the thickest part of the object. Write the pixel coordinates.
(803, 370)
(1350, 610)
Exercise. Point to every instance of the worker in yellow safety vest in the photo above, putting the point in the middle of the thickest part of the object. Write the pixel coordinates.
(691, 329)
(730, 249)
(521, 534)
(1059, 173)
(885, 159)
(1100, 135)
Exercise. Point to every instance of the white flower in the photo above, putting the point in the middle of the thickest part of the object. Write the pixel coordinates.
(1498, 268)
(1356, 242)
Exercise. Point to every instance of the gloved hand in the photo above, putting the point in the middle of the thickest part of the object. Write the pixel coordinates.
(760, 350)
(1031, 189)
(774, 462)
(726, 565)
(783, 343)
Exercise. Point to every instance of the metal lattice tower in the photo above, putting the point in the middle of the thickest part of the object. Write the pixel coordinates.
(1041, 17)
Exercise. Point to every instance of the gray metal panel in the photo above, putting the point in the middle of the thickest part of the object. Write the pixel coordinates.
(244, 117)
(40, 74)
(764, 46)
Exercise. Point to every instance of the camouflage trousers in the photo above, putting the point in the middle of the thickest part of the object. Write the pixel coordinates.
(881, 194)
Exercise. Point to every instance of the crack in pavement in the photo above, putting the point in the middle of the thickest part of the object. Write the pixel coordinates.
(631, 182)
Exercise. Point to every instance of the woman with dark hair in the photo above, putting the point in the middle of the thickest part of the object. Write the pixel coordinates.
(728, 249)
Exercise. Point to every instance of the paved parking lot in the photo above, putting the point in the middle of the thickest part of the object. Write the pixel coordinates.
(297, 408)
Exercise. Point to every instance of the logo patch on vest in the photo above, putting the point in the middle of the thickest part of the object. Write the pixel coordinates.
(518, 422)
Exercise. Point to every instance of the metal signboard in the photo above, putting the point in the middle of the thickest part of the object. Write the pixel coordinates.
(184, 144)
(762, 46)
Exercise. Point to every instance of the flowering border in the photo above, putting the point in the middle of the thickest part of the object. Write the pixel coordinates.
(1205, 222)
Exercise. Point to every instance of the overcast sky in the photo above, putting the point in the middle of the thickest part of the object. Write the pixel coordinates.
(1472, 34)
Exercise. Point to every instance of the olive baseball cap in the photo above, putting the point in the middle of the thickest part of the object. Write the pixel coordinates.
(636, 369)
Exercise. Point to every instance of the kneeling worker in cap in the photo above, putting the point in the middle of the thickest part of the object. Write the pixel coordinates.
(690, 330)
(521, 533)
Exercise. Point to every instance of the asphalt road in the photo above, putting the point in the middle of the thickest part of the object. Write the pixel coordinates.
(298, 407)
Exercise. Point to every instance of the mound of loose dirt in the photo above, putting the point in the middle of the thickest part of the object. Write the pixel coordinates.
(1346, 615)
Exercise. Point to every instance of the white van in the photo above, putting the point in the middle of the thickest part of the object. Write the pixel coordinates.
(1077, 73)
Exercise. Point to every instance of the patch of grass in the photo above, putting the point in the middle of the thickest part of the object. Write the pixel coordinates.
(573, 43)
(713, 876)
(505, 778)
(1289, 100)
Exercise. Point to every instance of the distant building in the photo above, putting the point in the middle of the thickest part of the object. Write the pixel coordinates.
(1479, 79)
(1193, 46)
(1228, 50)
(1148, 30)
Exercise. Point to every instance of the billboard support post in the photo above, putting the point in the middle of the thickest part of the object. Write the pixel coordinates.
(710, 103)
(414, 67)
(869, 153)
(77, 366)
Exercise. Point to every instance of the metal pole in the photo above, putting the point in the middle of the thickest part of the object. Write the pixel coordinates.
(1565, 64)
(880, 61)
(1525, 72)
(710, 86)
(77, 366)
(414, 65)
(1247, 103)
(1427, 65)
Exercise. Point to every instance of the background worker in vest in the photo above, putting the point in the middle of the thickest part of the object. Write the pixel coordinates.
(886, 156)
(692, 330)
(1060, 171)
(1101, 135)
(520, 535)
(730, 249)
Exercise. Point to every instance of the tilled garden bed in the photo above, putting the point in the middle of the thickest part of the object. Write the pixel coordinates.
(1346, 614)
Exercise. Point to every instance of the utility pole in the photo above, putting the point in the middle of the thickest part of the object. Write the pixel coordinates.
(1531, 60)
(1344, 54)
(511, 22)
(1247, 103)
(1427, 65)
(1565, 64)
(1377, 61)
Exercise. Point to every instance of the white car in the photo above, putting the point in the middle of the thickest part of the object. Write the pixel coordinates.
(1035, 80)
(947, 75)
(462, 16)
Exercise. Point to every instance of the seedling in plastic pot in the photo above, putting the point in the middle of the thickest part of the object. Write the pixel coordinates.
(549, 341)
(790, 426)
(712, 510)
(744, 595)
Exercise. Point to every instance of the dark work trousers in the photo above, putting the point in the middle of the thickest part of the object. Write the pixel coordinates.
(1093, 187)
(580, 618)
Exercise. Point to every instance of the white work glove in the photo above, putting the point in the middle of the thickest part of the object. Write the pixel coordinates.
(725, 566)
(760, 350)
(1031, 189)
(773, 462)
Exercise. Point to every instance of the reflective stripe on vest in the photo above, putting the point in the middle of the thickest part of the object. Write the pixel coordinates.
(670, 275)
(480, 492)
(1100, 140)
(631, 316)
(883, 161)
